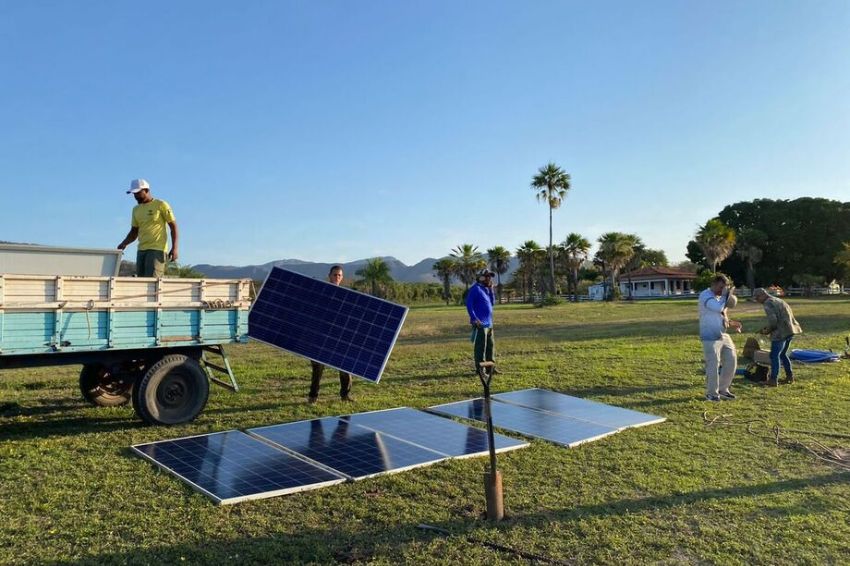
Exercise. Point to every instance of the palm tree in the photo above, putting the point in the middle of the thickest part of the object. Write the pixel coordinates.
(445, 269)
(500, 262)
(551, 184)
(640, 258)
(615, 250)
(576, 248)
(717, 240)
(749, 248)
(376, 273)
(529, 261)
(468, 260)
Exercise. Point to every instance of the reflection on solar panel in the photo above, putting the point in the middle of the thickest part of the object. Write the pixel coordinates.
(231, 466)
(335, 326)
(352, 450)
(591, 411)
(555, 428)
(439, 434)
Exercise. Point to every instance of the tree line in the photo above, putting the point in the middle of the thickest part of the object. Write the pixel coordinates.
(802, 242)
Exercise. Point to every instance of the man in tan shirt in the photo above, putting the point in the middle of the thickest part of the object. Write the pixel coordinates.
(781, 327)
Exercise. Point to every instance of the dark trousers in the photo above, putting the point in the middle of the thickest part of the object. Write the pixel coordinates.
(344, 381)
(482, 350)
(779, 353)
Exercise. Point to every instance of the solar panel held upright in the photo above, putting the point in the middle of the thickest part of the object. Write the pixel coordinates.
(335, 326)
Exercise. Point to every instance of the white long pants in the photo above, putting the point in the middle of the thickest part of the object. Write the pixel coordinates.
(720, 358)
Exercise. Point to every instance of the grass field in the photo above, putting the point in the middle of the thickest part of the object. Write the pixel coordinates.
(681, 492)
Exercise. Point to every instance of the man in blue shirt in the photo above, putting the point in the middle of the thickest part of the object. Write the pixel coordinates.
(479, 304)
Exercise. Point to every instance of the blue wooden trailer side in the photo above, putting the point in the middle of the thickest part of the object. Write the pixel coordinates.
(156, 343)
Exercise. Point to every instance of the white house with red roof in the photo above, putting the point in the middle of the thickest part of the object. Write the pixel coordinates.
(657, 282)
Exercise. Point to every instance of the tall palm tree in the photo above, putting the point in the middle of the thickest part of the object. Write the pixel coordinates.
(445, 269)
(376, 273)
(749, 246)
(468, 260)
(551, 184)
(717, 241)
(500, 261)
(529, 255)
(615, 250)
(576, 248)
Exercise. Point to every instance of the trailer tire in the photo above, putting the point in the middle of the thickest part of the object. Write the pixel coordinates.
(103, 388)
(174, 390)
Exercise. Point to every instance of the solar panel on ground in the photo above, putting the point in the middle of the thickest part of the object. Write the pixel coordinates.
(577, 408)
(232, 466)
(439, 434)
(555, 428)
(332, 325)
(352, 450)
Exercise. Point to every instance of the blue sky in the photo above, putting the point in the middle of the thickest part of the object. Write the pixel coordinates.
(333, 131)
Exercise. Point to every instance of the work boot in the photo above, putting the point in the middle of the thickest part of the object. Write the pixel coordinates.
(789, 379)
(771, 383)
(311, 400)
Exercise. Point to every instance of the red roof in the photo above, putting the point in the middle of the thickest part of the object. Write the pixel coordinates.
(661, 273)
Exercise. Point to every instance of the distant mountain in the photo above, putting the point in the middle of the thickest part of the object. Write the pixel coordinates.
(421, 272)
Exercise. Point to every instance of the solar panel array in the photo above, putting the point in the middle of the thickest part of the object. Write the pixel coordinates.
(232, 466)
(435, 433)
(352, 450)
(552, 416)
(530, 422)
(329, 324)
(575, 407)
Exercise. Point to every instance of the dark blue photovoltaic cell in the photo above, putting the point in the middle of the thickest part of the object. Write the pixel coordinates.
(436, 433)
(332, 325)
(555, 428)
(577, 408)
(232, 466)
(354, 451)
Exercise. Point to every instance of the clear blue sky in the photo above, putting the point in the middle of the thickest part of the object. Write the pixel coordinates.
(333, 131)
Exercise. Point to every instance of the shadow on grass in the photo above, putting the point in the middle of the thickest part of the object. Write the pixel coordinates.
(65, 427)
(367, 544)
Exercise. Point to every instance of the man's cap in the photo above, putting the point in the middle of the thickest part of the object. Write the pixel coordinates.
(485, 273)
(137, 185)
(759, 291)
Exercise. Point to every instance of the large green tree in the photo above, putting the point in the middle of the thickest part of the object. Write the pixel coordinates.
(551, 184)
(615, 251)
(376, 274)
(575, 250)
(468, 260)
(717, 241)
(500, 261)
(445, 270)
(842, 260)
(749, 246)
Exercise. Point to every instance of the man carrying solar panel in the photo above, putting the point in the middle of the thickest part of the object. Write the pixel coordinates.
(335, 276)
(479, 304)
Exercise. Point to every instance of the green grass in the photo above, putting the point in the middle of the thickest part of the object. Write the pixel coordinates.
(674, 493)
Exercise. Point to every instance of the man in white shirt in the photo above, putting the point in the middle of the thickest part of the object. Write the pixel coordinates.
(721, 358)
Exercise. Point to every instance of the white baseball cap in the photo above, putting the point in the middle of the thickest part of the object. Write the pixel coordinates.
(137, 185)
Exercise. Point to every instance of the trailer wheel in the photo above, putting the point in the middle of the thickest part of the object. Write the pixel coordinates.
(174, 390)
(105, 388)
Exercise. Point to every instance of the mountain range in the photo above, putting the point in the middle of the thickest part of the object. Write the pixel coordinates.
(421, 272)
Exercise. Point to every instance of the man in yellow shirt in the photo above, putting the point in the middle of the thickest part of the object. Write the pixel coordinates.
(149, 219)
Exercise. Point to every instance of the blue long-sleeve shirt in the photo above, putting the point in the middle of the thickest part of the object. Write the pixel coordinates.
(479, 304)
